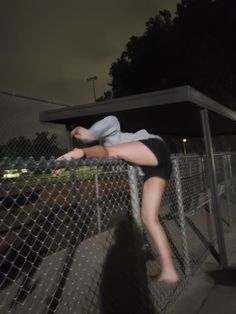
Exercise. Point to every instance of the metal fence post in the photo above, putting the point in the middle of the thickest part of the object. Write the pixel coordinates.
(201, 171)
(213, 187)
(134, 194)
(98, 202)
(227, 178)
(230, 166)
(180, 206)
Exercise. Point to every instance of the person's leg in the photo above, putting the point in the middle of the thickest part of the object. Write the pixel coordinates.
(98, 151)
(153, 190)
(137, 153)
(134, 152)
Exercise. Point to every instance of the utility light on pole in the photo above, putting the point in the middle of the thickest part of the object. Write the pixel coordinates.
(93, 79)
(184, 145)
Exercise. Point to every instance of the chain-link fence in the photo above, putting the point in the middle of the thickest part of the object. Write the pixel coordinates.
(75, 243)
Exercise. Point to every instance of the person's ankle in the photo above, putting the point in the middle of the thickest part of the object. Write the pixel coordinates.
(170, 276)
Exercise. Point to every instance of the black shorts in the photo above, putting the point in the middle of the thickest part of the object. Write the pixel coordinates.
(162, 153)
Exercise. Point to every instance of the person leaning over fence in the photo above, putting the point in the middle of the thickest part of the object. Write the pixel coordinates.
(151, 154)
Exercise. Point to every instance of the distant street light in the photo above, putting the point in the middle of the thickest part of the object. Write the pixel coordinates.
(184, 144)
(93, 79)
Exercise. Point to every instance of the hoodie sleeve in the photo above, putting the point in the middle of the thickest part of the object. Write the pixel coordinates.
(106, 127)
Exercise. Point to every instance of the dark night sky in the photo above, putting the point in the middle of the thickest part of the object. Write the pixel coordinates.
(50, 47)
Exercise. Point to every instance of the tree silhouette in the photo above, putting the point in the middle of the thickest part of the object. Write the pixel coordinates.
(16, 147)
(43, 144)
(197, 47)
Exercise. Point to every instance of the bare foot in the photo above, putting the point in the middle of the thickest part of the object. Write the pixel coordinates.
(170, 277)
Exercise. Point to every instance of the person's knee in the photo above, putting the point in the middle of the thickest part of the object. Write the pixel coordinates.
(148, 220)
(144, 218)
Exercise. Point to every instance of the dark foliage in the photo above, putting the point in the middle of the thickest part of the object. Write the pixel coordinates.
(197, 47)
(43, 144)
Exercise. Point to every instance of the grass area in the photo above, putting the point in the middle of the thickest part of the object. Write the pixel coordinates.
(30, 178)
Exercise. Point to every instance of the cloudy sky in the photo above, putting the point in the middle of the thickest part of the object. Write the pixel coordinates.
(50, 47)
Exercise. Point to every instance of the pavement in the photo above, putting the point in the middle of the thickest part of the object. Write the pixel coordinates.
(211, 290)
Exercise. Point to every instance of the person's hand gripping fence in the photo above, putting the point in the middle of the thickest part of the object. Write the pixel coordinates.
(74, 154)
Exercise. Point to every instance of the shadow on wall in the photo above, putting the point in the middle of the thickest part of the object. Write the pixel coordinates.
(124, 285)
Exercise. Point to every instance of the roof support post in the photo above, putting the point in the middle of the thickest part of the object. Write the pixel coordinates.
(213, 188)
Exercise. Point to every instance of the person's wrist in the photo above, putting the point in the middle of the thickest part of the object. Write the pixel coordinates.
(79, 153)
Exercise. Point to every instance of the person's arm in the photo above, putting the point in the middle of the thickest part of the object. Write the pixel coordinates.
(98, 131)
(104, 128)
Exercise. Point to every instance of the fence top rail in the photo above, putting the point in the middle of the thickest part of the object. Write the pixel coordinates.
(43, 163)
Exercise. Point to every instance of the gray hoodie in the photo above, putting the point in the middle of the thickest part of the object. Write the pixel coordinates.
(107, 132)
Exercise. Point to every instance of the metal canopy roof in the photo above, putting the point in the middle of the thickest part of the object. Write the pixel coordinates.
(174, 111)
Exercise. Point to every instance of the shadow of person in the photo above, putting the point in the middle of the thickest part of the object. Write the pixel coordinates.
(124, 285)
(224, 277)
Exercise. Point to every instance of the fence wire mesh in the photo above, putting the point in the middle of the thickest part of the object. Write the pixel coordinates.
(75, 243)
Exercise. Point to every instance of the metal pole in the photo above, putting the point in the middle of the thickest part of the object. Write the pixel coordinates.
(93, 79)
(213, 188)
(134, 195)
(180, 206)
(200, 171)
(99, 223)
(227, 186)
(94, 92)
